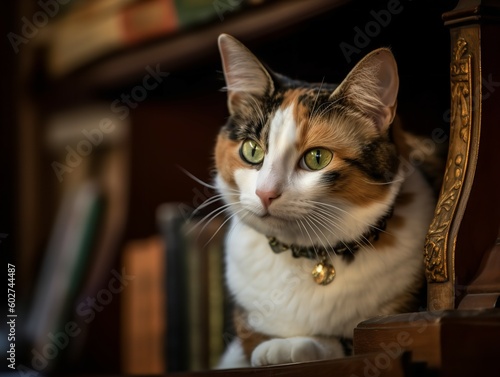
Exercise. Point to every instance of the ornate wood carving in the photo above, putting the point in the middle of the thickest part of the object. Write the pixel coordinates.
(438, 237)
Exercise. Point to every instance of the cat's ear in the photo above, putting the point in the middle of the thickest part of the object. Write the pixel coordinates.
(372, 87)
(246, 78)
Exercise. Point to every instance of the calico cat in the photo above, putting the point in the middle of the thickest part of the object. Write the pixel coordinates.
(327, 227)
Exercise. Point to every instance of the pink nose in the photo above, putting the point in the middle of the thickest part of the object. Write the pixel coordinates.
(266, 197)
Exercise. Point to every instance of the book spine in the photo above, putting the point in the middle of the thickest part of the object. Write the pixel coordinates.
(143, 308)
(177, 342)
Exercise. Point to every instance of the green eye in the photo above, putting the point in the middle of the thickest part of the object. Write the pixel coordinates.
(251, 152)
(316, 158)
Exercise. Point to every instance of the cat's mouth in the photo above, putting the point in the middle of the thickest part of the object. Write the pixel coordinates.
(273, 216)
(264, 215)
(281, 214)
(261, 213)
(268, 214)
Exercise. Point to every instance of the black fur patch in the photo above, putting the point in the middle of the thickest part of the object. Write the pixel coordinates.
(330, 177)
(379, 160)
(316, 99)
(242, 126)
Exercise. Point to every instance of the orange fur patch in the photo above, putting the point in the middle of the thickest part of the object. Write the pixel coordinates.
(227, 158)
(249, 339)
(356, 188)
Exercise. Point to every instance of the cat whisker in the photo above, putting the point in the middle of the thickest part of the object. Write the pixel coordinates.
(384, 183)
(209, 201)
(324, 107)
(196, 179)
(329, 105)
(326, 214)
(327, 205)
(224, 223)
(258, 110)
(316, 234)
(332, 223)
(373, 200)
(366, 241)
(329, 214)
(212, 215)
(315, 100)
(313, 221)
(299, 226)
(310, 238)
(329, 220)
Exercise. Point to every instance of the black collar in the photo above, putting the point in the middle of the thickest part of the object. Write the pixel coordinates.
(346, 249)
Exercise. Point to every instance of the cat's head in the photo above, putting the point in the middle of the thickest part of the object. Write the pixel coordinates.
(308, 163)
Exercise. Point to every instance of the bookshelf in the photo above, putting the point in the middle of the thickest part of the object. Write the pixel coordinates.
(191, 47)
(184, 111)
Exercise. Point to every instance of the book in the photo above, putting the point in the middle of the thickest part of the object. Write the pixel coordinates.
(205, 291)
(196, 304)
(177, 340)
(143, 320)
(64, 264)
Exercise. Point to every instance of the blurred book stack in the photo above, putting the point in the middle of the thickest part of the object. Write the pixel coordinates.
(88, 30)
(90, 168)
(177, 312)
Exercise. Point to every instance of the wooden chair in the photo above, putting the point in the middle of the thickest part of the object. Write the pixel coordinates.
(459, 331)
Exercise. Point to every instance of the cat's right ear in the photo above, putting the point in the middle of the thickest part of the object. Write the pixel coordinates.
(246, 78)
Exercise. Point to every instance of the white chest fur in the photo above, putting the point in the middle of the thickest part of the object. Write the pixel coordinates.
(282, 299)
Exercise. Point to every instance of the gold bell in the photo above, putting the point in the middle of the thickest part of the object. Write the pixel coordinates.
(323, 273)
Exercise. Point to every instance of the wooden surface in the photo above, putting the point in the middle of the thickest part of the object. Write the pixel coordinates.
(365, 365)
(448, 343)
(418, 332)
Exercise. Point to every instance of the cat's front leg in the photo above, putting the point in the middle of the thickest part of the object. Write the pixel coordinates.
(296, 349)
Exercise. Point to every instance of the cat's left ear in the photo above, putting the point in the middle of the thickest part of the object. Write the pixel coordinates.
(372, 87)
(246, 78)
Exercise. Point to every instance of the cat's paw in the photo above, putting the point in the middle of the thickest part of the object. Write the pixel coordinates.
(291, 350)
